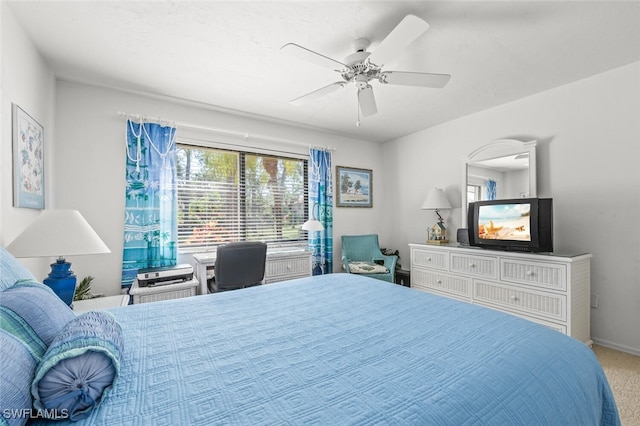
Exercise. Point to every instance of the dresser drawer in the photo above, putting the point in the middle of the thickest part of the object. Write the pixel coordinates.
(541, 274)
(430, 259)
(432, 280)
(478, 266)
(289, 266)
(549, 305)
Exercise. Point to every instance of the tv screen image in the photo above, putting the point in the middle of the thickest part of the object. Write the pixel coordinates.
(505, 222)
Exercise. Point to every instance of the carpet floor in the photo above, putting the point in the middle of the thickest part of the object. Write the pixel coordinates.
(623, 373)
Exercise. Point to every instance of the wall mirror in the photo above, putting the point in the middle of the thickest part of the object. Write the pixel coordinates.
(499, 170)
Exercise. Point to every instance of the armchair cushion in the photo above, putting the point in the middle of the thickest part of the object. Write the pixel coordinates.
(367, 268)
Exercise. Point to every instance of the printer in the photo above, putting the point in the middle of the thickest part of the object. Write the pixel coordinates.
(165, 275)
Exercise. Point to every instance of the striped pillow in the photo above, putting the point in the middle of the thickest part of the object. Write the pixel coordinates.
(16, 374)
(33, 313)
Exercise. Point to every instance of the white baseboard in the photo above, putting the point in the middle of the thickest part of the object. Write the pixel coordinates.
(611, 345)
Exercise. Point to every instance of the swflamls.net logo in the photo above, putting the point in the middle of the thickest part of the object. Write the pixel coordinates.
(33, 413)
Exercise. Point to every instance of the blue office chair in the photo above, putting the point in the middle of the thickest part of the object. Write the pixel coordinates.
(239, 265)
(365, 250)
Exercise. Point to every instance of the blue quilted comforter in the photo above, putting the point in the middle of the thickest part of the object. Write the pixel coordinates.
(343, 349)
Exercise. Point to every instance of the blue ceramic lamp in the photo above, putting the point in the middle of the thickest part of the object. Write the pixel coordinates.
(59, 233)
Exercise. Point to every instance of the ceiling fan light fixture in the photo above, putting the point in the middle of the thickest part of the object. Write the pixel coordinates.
(362, 66)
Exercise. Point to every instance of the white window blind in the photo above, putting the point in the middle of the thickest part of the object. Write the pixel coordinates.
(226, 196)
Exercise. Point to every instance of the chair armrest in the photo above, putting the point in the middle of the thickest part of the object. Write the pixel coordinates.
(345, 265)
(390, 262)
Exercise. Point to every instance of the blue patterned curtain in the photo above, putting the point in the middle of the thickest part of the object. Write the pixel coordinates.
(321, 205)
(150, 217)
(491, 190)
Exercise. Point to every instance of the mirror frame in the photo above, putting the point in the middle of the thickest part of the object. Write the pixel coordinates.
(497, 149)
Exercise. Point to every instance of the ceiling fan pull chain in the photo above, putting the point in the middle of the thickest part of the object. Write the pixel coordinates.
(358, 108)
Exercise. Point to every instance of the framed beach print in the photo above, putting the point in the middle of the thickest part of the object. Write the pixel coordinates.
(28, 160)
(354, 187)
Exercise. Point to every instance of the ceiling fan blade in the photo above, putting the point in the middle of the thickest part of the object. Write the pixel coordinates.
(305, 54)
(421, 79)
(318, 93)
(367, 101)
(404, 33)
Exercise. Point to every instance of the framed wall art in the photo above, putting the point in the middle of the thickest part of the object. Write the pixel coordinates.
(28, 160)
(354, 187)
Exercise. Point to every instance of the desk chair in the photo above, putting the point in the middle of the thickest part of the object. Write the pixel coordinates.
(239, 265)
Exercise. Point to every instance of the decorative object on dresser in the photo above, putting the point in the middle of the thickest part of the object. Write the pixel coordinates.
(550, 289)
(282, 264)
(59, 233)
(437, 200)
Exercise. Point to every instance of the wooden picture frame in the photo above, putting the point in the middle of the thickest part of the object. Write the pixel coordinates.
(354, 187)
(28, 160)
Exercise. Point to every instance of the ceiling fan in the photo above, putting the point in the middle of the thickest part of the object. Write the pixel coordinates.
(362, 66)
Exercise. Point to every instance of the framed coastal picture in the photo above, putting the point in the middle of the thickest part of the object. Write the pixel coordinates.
(354, 187)
(28, 160)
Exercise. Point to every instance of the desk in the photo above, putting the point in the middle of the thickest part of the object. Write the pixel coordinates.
(281, 265)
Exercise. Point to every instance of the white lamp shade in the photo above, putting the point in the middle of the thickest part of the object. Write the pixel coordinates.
(436, 200)
(312, 225)
(58, 233)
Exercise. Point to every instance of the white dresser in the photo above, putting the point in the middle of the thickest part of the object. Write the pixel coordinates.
(549, 289)
(281, 265)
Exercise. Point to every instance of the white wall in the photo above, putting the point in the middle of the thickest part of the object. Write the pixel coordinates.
(588, 134)
(90, 165)
(27, 81)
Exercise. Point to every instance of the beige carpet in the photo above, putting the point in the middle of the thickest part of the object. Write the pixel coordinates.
(623, 373)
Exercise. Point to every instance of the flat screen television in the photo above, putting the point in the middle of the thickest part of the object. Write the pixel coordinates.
(518, 224)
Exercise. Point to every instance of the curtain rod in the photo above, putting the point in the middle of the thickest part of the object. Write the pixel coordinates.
(245, 136)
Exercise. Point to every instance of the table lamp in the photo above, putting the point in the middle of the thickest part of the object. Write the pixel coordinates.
(437, 200)
(58, 233)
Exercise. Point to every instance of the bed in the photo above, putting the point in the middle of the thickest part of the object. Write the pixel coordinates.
(344, 349)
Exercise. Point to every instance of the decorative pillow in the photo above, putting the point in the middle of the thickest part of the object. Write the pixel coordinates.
(367, 268)
(11, 270)
(16, 374)
(80, 367)
(34, 314)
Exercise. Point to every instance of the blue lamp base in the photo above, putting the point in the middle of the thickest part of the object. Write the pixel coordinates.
(62, 281)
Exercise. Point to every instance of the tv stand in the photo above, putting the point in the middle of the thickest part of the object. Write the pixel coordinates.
(547, 288)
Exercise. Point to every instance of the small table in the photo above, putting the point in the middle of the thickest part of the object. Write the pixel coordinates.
(155, 293)
(100, 303)
(403, 277)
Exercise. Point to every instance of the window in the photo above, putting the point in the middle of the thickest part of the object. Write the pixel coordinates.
(226, 196)
(473, 193)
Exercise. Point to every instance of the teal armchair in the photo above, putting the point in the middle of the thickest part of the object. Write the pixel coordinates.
(365, 248)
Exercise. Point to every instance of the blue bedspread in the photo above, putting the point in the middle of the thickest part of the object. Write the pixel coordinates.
(343, 349)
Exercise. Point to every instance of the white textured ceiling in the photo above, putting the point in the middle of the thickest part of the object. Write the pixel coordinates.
(227, 54)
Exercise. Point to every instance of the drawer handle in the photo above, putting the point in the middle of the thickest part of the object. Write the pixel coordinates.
(472, 265)
(428, 259)
(514, 298)
(529, 273)
(439, 281)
